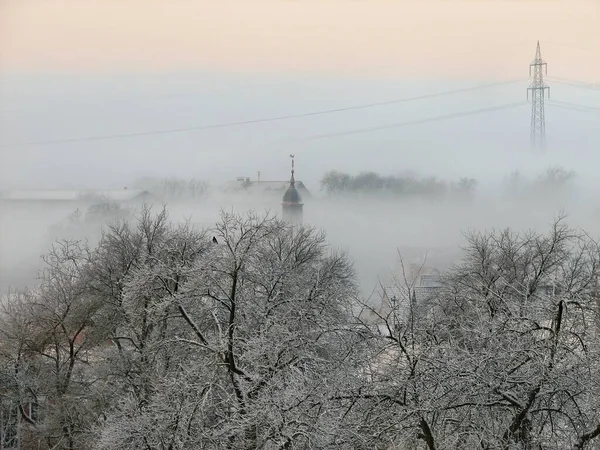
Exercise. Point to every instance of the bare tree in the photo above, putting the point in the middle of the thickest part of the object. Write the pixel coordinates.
(249, 335)
(505, 354)
(48, 336)
(263, 330)
(137, 270)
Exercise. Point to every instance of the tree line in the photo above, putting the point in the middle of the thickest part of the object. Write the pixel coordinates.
(553, 179)
(174, 189)
(252, 335)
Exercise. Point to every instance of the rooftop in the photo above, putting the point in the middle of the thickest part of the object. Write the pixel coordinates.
(116, 195)
(274, 187)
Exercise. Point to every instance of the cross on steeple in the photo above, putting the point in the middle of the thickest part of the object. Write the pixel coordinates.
(292, 180)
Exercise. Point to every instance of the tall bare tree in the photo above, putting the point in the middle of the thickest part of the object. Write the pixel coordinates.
(505, 354)
(258, 327)
(49, 335)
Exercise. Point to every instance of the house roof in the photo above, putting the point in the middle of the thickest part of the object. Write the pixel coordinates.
(275, 187)
(116, 195)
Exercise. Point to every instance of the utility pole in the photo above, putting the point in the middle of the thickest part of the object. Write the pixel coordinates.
(538, 92)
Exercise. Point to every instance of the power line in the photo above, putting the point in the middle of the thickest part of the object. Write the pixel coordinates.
(405, 124)
(256, 121)
(570, 108)
(350, 108)
(574, 106)
(577, 105)
(473, 51)
(575, 83)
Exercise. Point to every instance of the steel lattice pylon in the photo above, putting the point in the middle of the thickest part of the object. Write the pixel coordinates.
(538, 91)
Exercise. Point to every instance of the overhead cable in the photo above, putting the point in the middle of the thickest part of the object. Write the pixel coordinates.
(254, 121)
(409, 123)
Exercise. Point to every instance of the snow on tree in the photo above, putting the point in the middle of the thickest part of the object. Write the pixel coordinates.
(162, 337)
(237, 344)
(48, 337)
(505, 354)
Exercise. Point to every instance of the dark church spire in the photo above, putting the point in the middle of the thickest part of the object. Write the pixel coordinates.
(292, 201)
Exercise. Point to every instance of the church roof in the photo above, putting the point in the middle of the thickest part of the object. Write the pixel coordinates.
(292, 195)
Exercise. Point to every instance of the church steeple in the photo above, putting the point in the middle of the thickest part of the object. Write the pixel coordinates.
(292, 201)
(292, 180)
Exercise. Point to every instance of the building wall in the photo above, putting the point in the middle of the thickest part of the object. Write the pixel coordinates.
(292, 214)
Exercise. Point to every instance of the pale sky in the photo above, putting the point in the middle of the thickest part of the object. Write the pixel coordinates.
(453, 38)
(73, 69)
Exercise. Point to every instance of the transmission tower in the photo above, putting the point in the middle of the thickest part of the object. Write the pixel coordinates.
(538, 92)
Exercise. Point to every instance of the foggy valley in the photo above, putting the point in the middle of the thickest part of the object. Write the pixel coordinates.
(371, 226)
(280, 225)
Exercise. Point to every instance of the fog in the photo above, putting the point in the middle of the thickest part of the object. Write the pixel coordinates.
(373, 229)
(416, 133)
(92, 110)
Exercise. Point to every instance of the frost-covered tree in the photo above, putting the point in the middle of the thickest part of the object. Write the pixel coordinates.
(137, 269)
(249, 336)
(505, 355)
(238, 343)
(49, 335)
